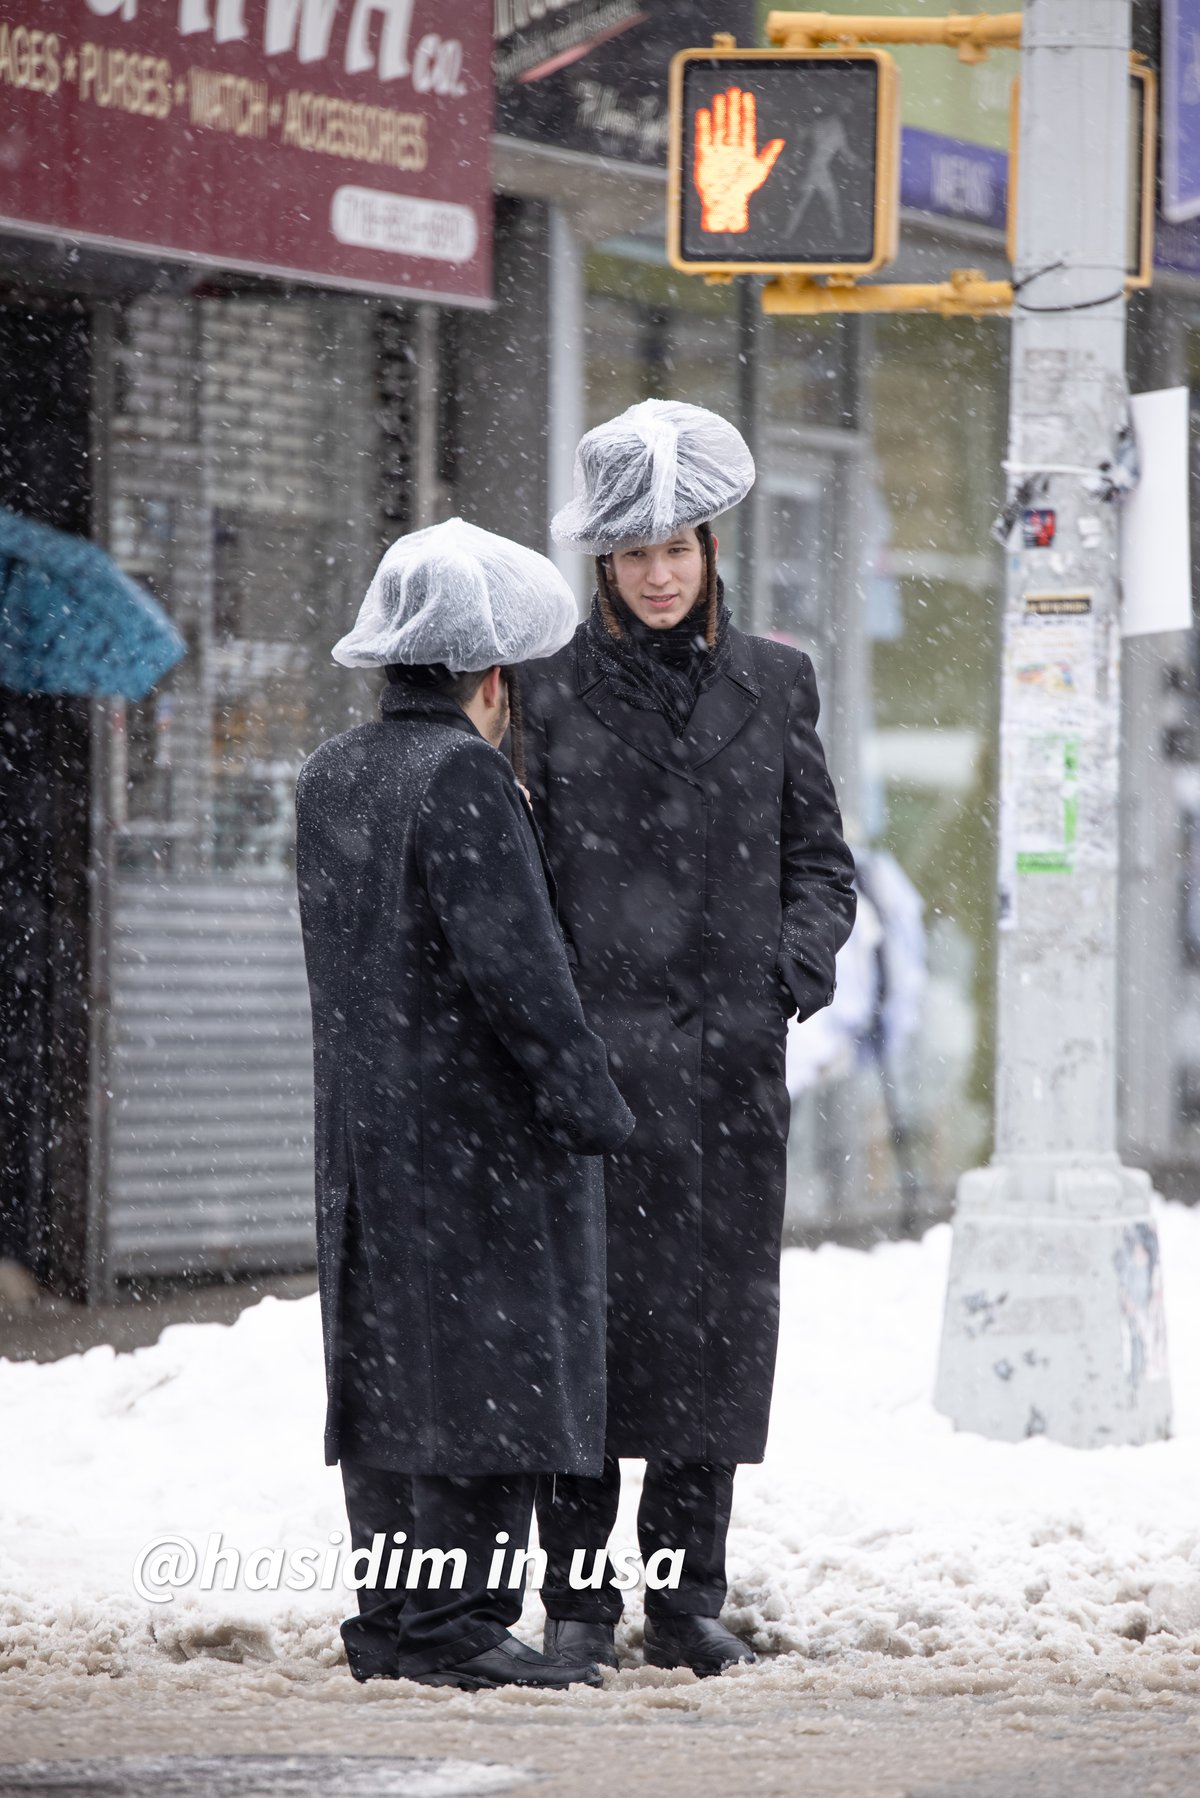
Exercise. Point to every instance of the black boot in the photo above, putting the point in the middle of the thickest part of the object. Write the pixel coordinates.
(575, 1644)
(700, 1643)
(509, 1663)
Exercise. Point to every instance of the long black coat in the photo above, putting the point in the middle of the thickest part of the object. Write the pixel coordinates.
(462, 1106)
(696, 877)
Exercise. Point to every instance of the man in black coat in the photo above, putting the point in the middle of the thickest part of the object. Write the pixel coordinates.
(462, 1104)
(681, 789)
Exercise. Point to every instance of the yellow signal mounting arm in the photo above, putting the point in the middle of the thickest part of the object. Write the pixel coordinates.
(971, 34)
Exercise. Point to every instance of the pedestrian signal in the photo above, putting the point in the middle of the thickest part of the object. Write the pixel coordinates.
(783, 161)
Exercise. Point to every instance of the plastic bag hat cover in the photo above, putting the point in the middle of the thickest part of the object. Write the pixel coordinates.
(461, 596)
(661, 466)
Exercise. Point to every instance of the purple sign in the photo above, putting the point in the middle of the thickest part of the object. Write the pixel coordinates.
(1178, 247)
(953, 178)
(1181, 110)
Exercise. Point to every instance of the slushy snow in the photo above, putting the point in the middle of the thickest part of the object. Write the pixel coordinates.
(876, 1549)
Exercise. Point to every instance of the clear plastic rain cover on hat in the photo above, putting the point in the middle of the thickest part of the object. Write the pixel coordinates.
(460, 596)
(661, 466)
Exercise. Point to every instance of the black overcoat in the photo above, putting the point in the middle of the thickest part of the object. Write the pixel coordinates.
(696, 877)
(462, 1106)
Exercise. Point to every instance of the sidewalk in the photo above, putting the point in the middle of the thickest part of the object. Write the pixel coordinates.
(49, 1328)
(686, 1739)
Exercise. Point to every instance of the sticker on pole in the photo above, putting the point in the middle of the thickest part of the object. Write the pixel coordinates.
(1068, 603)
(1039, 527)
(1047, 780)
(1047, 728)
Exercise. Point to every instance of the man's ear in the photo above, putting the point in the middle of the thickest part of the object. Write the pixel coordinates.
(716, 543)
(489, 692)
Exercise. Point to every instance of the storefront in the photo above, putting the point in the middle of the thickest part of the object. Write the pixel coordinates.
(217, 367)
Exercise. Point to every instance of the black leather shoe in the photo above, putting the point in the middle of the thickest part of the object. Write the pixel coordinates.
(700, 1643)
(575, 1644)
(509, 1663)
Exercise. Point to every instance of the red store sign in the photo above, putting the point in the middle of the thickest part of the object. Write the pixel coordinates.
(343, 141)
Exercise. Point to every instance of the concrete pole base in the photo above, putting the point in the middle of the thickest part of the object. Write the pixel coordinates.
(1054, 1307)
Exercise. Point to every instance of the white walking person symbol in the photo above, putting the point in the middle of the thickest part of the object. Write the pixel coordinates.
(827, 143)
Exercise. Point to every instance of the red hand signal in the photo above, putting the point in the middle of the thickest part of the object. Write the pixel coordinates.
(728, 166)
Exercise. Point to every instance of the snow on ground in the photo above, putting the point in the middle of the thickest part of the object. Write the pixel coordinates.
(876, 1550)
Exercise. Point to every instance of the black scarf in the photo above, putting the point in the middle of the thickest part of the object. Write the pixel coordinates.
(661, 671)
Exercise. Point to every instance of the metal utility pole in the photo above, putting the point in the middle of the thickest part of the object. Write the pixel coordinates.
(1054, 1320)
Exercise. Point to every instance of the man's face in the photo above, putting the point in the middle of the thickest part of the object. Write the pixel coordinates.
(660, 582)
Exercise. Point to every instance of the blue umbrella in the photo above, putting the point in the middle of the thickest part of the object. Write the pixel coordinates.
(71, 622)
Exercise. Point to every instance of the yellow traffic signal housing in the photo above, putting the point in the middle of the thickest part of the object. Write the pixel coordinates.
(783, 162)
(1143, 142)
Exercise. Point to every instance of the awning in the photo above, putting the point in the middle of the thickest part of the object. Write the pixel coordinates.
(71, 622)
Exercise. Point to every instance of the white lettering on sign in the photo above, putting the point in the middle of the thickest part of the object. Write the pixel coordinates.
(367, 219)
(393, 38)
(437, 65)
(194, 15)
(315, 19)
(306, 27)
(515, 15)
(961, 184)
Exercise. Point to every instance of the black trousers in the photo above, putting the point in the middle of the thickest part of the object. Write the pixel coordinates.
(685, 1504)
(399, 1632)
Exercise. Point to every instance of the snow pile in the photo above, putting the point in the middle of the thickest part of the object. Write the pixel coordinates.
(889, 1550)
(875, 1550)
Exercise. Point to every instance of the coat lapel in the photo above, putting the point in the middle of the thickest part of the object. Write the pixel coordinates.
(647, 732)
(721, 710)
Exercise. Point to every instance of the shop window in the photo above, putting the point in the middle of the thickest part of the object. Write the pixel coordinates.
(259, 662)
(245, 499)
(811, 372)
(799, 541)
(939, 404)
(652, 334)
